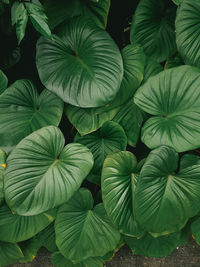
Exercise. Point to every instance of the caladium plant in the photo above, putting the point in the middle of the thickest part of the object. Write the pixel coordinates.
(99, 135)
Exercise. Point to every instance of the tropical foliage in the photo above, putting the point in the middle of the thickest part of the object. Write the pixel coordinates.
(99, 132)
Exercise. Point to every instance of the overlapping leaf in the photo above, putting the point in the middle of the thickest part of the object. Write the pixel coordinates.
(153, 27)
(173, 97)
(78, 223)
(42, 173)
(188, 31)
(83, 66)
(164, 198)
(9, 253)
(23, 111)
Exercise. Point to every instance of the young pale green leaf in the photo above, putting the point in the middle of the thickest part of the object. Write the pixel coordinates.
(165, 199)
(130, 117)
(83, 231)
(47, 238)
(9, 253)
(83, 66)
(188, 31)
(108, 139)
(58, 260)
(42, 173)
(15, 228)
(173, 97)
(3, 82)
(62, 11)
(38, 18)
(153, 28)
(23, 111)
(119, 178)
(150, 246)
(29, 248)
(87, 120)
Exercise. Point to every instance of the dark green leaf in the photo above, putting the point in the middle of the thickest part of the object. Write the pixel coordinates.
(83, 232)
(62, 11)
(165, 199)
(188, 31)
(153, 28)
(29, 248)
(149, 246)
(3, 82)
(22, 109)
(119, 178)
(108, 139)
(15, 228)
(48, 238)
(9, 253)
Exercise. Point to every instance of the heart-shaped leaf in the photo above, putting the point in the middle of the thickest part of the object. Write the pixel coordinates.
(83, 232)
(41, 174)
(153, 27)
(83, 66)
(15, 228)
(62, 11)
(165, 199)
(150, 246)
(23, 111)
(9, 253)
(108, 139)
(173, 97)
(119, 178)
(188, 31)
(130, 117)
(87, 120)
(151, 68)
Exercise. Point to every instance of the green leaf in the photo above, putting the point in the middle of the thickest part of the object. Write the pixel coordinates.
(63, 11)
(108, 139)
(119, 178)
(42, 173)
(21, 22)
(151, 68)
(58, 260)
(83, 66)
(38, 18)
(177, 2)
(153, 28)
(165, 198)
(195, 227)
(188, 31)
(133, 61)
(15, 228)
(29, 248)
(149, 246)
(9, 253)
(176, 120)
(87, 120)
(2, 168)
(130, 117)
(3, 82)
(83, 231)
(48, 238)
(22, 109)
(173, 62)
